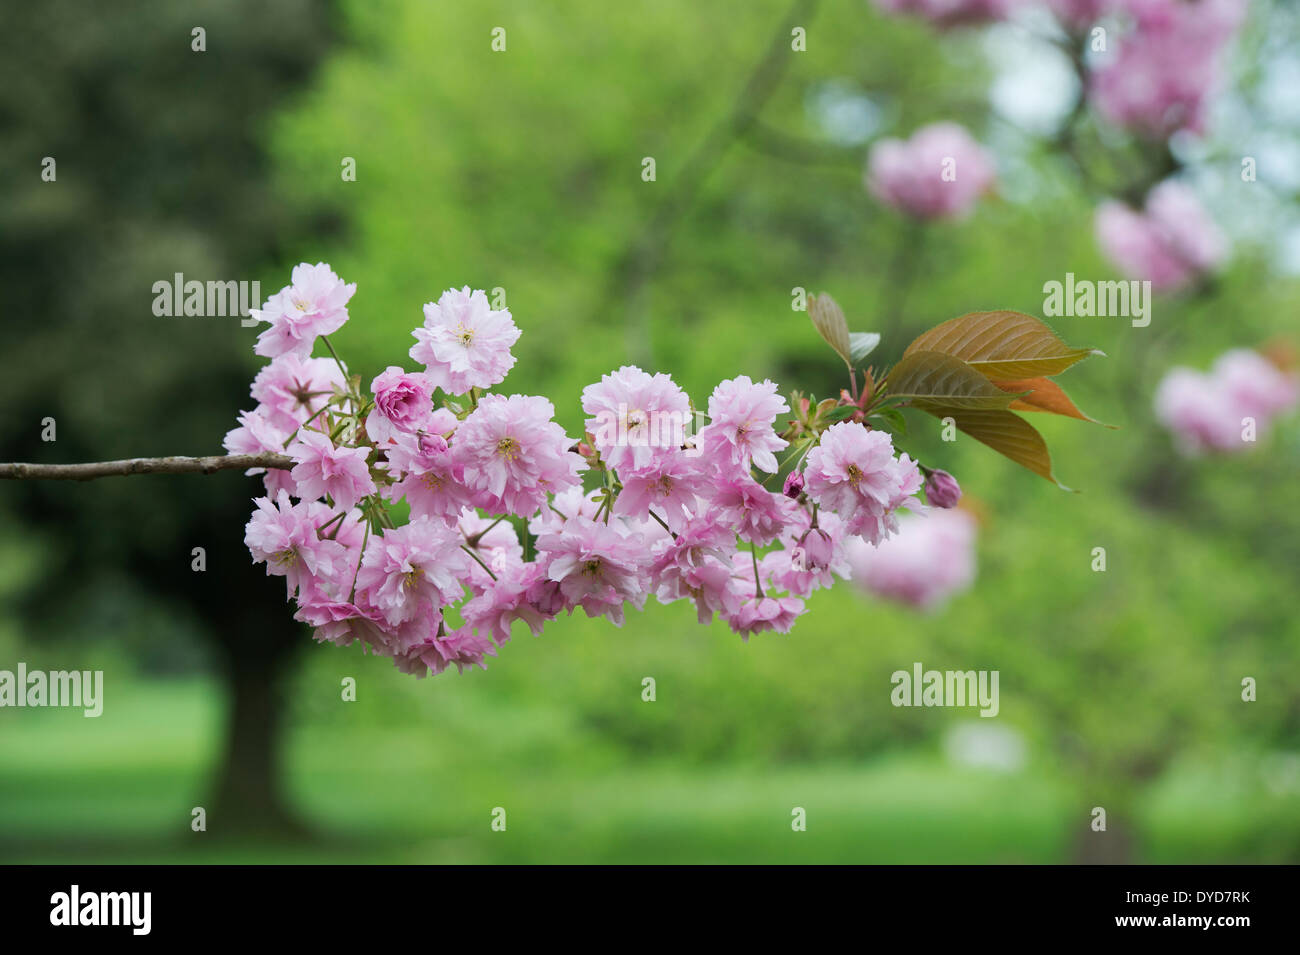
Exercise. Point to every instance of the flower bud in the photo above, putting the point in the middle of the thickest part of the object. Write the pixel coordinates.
(818, 549)
(942, 489)
(794, 484)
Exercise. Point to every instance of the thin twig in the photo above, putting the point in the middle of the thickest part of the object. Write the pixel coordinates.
(479, 561)
(641, 258)
(788, 147)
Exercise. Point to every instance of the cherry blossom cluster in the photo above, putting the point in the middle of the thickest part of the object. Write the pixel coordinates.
(1229, 408)
(426, 515)
(1155, 77)
(1169, 242)
(1167, 64)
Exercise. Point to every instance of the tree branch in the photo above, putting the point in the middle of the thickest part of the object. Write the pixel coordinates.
(640, 259)
(797, 149)
(168, 465)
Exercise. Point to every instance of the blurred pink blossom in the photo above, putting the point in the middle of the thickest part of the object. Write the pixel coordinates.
(1169, 243)
(1080, 13)
(931, 558)
(1207, 411)
(1161, 74)
(947, 13)
(937, 174)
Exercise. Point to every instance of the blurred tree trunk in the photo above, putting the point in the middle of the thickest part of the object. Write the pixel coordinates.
(250, 795)
(1115, 846)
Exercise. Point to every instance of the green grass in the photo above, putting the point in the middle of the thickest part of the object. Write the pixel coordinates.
(120, 789)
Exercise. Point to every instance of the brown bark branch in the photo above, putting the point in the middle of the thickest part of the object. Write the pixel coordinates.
(174, 464)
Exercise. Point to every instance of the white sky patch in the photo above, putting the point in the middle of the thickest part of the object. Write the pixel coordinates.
(1278, 156)
(1277, 90)
(844, 113)
(1287, 260)
(1034, 86)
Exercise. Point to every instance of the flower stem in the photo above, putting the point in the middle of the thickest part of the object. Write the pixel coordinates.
(337, 360)
(660, 521)
(294, 434)
(479, 561)
(473, 539)
(352, 595)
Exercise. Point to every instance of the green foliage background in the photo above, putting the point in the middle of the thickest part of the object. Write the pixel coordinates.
(522, 170)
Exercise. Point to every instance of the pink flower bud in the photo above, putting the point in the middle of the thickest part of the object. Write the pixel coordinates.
(818, 549)
(942, 489)
(793, 484)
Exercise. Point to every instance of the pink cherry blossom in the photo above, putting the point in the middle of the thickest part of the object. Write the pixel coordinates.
(291, 390)
(758, 614)
(284, 537)
(810, 558)
(748, 611)
(753, 512)
(518, 593)
(315, 303)
(599, 567)
(741, 415)
(411, 568)
(464, 342)
(323, 469)
(793, 486)
(635, 417)
(569, 503)
(403, 404)
(937, 174)
(1188, 404)
(664, 513)
(696, 564)
(670, 487)
(342, 623)
(513, 454)
(853, 472)
(434, 654)
(258, 434)
(425, 472)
